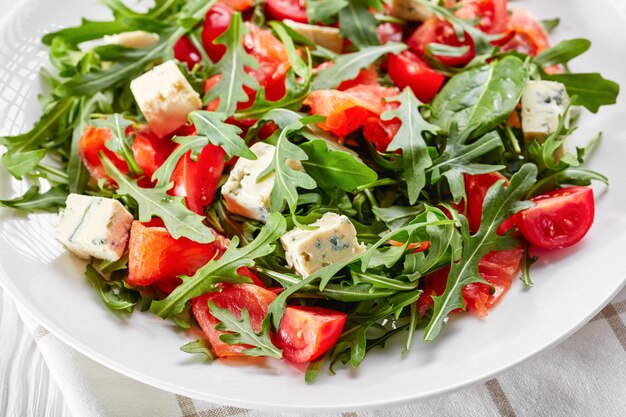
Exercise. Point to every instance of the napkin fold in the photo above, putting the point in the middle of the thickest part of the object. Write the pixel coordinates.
(583, 376)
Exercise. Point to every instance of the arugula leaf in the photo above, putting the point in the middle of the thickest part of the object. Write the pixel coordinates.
(563, 52)
(347, 66)
(199, 346)
(113, 296)
(231, 69)
(481, 98)
(324, 11)
(332, 169)
(242, 332)
(396, 217)
(550, 24)
(49, 201)
(117, 124)
(88, 30)
(287, 179)
(178, 219)
(212, 125)
(591, 90)
(358, 24)
(410, 140)
(223, 269)
(457, 159)
(500, 203)
(33, 139)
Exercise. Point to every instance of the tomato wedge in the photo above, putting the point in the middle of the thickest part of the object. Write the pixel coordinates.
(498, 268)
(559, 219)
(197, 180)
(216, 22)
(287, 9)
(153, 254)
(185, 51)
(435, 30)
(476, 187)
(234, 297)
(409, 70)
(150, 152)
(347, 111)
(306, 333)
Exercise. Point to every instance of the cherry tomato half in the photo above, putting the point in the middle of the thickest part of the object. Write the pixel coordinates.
(233, 297)
(407, 69)
(92, 143)
(559, 219)
(287, 9)
(476, 187)
(306, 333)
(185, 51)
(524, 34)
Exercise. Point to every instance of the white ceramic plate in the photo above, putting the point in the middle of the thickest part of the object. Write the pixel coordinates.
(571, 286)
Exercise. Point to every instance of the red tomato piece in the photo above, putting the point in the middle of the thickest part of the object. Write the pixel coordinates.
(216, 22)
(91, 144)
(476, 187)
(306, 333)
(347, 111)
(409, 70)
(498, 268)
(381, 132)
(367, 76)
(234, 297)
(151, 151)
(559, 219)
(287, 9)
(197, 180)
(524, 34)
(185, 51)
(490, 14)
(435, 30)
(153, 254)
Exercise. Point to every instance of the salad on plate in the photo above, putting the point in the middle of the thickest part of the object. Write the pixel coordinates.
(305, 180)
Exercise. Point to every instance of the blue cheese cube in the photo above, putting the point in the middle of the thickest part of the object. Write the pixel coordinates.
(246, 196)
(133, 39)
(165, 97)
(542, 104)
(94, 226)
(333, 241)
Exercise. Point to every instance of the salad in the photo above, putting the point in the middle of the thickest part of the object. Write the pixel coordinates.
(304, 180)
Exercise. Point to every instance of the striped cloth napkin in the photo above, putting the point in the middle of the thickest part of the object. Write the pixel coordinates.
(583, 376)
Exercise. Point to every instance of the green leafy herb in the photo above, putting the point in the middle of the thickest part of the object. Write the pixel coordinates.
(212, 126)
(500, 203)
(347, 66)
(479, 99)
(223, 269)
(550, 24)
(178, 219)
(287, 179)
(117, 124)
(242, 332)
(231, 69)
(332, 169)
(410, 140)
(358, 24)
(112, 295)
(563, 52)
(324, 11)
(200, 346)
(49, 201)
